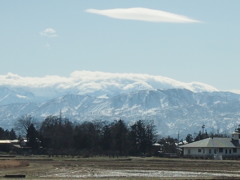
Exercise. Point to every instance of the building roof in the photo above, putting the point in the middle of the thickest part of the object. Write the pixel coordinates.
(156, 144)
(9, 141)
(5, 141)
(235, 132)
(211, 143)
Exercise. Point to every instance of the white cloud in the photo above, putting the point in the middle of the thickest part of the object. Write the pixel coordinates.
(143, 14)
(49, 32)
(236, 91)
(90, 82)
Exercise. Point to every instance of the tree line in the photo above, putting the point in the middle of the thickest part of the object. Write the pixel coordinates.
(7, 135)
(57, 135)
(203, 135)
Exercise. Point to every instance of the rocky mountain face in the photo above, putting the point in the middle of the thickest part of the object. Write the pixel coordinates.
(172, 110)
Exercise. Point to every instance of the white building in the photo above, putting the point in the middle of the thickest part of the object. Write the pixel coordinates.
(214, 147)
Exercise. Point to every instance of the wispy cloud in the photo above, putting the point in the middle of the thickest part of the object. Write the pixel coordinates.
(90, 82)
(236, 91)
(49, 32)
(143, 14)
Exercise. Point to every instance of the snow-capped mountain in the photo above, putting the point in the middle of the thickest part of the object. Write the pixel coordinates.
(14, 95)
(92, 83)
(173, 110)
(85, 96)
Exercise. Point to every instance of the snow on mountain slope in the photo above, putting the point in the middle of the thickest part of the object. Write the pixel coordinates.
(96, 84)
(14, 95)
(85, 96)
(171, 110)
(10, 113)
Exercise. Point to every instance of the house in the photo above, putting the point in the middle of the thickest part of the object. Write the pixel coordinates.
(5, 145)
(214, 147)
(18, 146)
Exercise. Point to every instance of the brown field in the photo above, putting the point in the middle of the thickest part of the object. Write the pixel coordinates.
(130, 168)
(6, 164)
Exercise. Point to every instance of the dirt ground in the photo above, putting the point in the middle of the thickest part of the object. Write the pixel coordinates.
(42, 167)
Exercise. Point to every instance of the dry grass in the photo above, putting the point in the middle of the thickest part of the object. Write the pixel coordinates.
(4, 164)
(42, 167)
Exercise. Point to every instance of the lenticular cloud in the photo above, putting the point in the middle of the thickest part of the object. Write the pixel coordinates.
(143, 14)
(89, 82)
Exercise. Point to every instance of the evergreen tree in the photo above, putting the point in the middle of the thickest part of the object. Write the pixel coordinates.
(189, 138)
(119, 133)
(201, 136)
(32, 138)
(2, 133)
(6, 134)
(87, 137)
(12, 135)
(106, 141)
(138, 137)
(150, 135)
(142, 136)
(57, 133)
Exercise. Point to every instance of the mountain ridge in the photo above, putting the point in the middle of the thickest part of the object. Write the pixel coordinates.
(92, 83)
(86, 96)
(172, 110)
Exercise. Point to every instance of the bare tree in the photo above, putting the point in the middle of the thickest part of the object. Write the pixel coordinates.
(23, 123)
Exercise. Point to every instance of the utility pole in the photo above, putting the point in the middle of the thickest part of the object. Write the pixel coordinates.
(60, 115)
(203, 126)
(178, 136)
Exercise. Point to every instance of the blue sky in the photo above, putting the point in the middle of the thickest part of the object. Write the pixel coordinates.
(57, 37)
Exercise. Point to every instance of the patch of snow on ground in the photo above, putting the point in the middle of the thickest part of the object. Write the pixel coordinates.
(90, 173)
